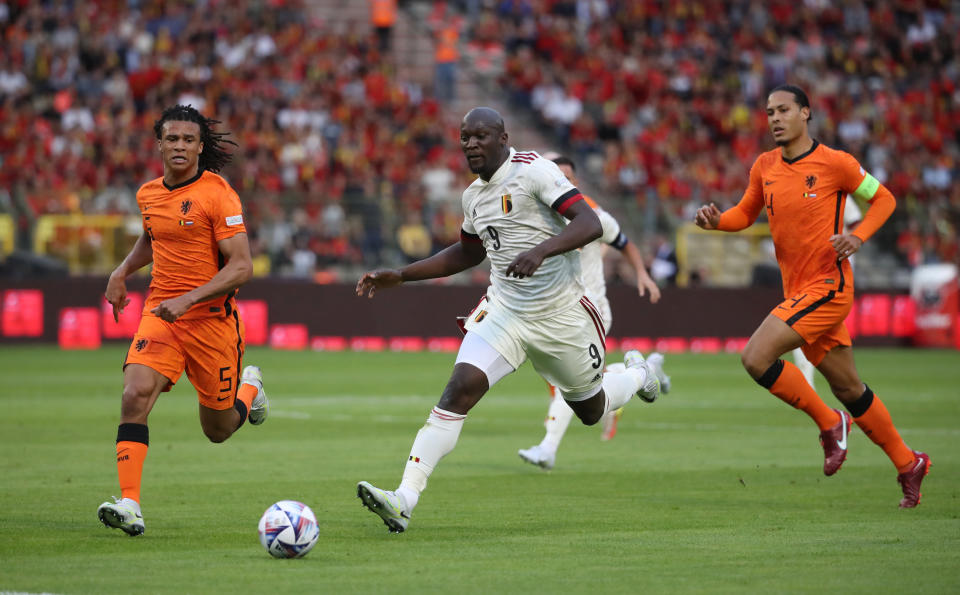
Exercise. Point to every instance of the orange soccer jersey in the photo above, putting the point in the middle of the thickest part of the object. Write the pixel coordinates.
(185, 223)
(804, 198)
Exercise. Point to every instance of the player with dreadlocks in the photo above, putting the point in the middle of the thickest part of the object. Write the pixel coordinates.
(193, 233)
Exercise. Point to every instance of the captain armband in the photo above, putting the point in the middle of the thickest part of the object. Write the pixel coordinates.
(867, 188)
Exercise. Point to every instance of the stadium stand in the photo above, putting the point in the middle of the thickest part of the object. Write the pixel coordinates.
(659, 100)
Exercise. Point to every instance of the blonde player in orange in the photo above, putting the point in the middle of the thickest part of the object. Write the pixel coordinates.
(194, 235)
(803, 185)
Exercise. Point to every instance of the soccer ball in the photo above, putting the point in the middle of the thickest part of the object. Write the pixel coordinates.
(288, 529)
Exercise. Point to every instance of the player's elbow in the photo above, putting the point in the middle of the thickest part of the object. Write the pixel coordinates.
(244, 271)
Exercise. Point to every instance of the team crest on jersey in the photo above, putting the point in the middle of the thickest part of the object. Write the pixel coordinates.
(185, 206)
(810, 181)
(507, 203)
(141, 344)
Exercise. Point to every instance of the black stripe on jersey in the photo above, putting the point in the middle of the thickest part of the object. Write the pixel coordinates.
(793, 319)
(799, 157)
(836, 230)
(469, 237)
(836, 217)
(620, 242)
(564, 198)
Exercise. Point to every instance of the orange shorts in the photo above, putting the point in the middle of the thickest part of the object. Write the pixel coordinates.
(210, 350)
(817, 316)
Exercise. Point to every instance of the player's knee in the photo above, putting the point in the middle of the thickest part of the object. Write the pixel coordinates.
(589, 418)
(753, 365)
(589, 412)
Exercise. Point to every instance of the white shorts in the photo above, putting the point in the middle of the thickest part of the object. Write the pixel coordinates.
(567, 349)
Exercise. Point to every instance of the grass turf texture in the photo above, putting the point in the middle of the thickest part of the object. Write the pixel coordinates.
(717, 487)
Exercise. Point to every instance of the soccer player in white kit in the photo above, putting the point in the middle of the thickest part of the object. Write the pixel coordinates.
(535, 306)
(559, 413)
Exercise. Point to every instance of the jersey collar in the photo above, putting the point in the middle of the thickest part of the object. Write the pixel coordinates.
(184, 183)
(502, 170)
(813, 148)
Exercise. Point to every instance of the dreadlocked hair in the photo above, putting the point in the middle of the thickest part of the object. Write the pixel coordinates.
(213, 157)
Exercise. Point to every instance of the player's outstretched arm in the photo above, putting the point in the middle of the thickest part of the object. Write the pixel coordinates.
(452, 259)
(236, 271)
(140, 256)
(644, 282)
(584, 227)
(708, 217)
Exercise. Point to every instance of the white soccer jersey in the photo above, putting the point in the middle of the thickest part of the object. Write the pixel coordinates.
(591, 261)
(519, 208)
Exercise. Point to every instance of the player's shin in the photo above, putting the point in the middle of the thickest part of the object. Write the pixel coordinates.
(132, 441)
(621, 386)
(872, 417)
(786, 382)
(434, 441)
(558, 419)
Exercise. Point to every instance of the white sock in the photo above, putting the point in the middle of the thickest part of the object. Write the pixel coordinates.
(434, 441)
(621, 386)
(801, 361)
(558, 419)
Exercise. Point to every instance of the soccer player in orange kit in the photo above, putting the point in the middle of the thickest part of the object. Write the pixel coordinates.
(803, 185)
(194, 235)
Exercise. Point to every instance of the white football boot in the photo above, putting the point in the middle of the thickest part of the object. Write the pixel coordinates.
(651, 387)
(260, 406)
(535, 455)
(655, 359)
(389, 506)
(122, 514)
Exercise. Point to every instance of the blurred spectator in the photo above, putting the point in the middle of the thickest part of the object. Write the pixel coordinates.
(383, 15)
(445, 25)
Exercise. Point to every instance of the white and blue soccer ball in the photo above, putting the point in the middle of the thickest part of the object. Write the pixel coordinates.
(288, 529)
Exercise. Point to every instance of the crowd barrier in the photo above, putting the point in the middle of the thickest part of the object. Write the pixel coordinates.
(287, 314)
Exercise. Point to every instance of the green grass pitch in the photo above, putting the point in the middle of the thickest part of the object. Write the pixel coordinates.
(716, 487)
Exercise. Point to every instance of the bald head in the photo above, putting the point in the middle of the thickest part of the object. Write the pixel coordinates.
(485, 116)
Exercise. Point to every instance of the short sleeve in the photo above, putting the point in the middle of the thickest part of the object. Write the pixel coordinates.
(547, 183)
(609, 225)
(854, 179)
(227, 215)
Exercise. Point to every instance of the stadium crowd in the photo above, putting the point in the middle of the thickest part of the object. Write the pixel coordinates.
(665, 98)
(340, 162)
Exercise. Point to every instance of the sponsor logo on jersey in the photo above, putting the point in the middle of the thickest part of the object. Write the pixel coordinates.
(235, 220)
(507, 203)
(480, 316)
(185, 223)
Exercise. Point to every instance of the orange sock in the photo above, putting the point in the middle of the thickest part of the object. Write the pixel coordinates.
(792, 388)
(130, 457)
(245, 395)
(877, 425)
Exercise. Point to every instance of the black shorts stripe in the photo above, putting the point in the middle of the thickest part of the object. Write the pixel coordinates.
(793, 319)
(236, 320)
